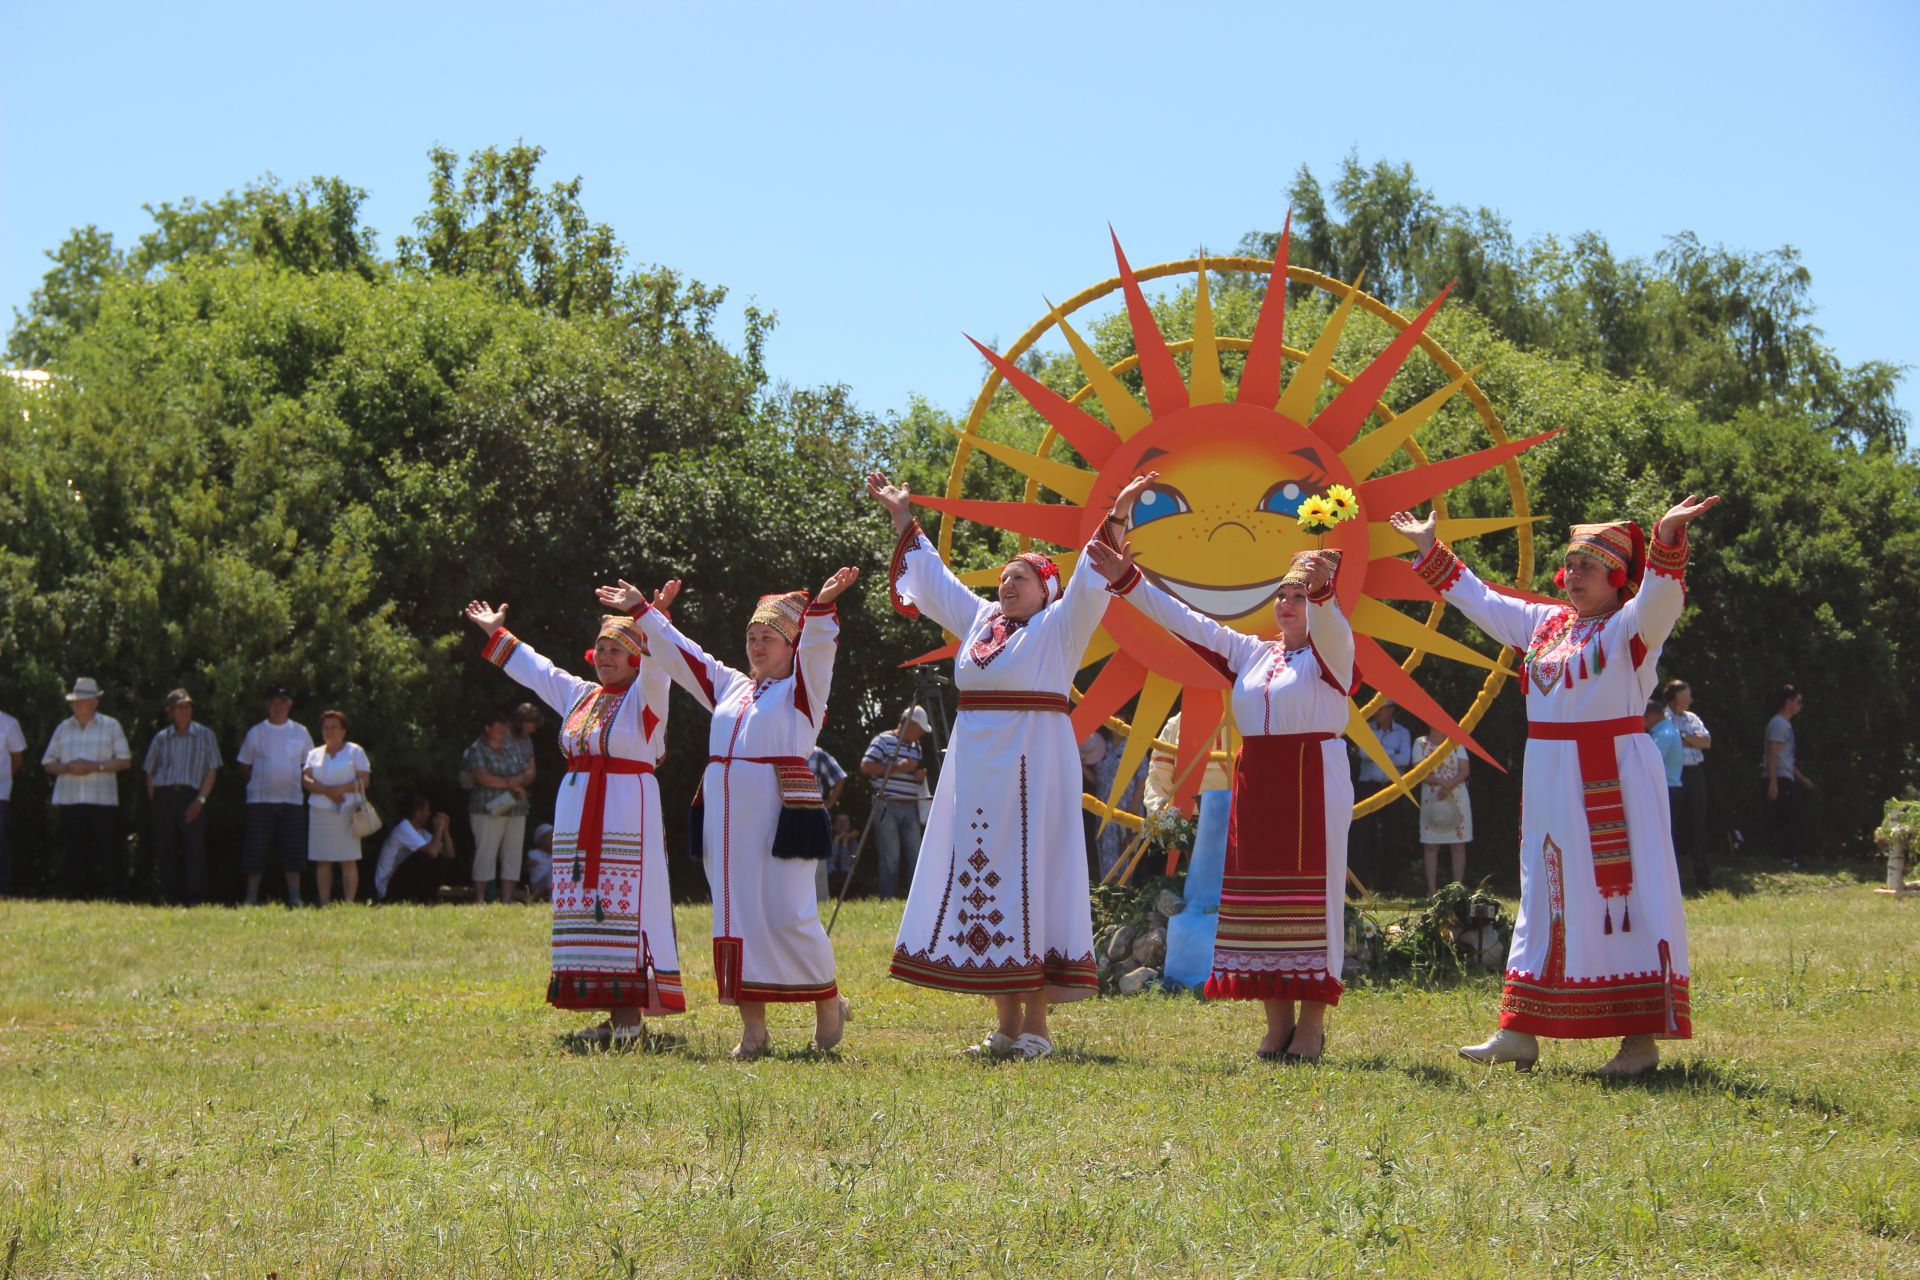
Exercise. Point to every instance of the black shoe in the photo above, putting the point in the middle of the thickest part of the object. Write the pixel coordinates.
(1276, 1055)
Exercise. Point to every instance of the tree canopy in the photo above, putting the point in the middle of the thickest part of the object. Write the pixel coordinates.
(273, 453)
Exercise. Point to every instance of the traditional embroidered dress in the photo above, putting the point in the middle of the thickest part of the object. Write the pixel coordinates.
(1282, 932)
(1600, 948)
(759, 817)
(999, 901)
(613, 939)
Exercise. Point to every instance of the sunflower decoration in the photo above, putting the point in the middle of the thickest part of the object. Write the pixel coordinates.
(1321, 513)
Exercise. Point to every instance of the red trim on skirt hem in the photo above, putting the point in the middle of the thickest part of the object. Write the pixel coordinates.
(1596, 1009)
(576, 990)
(1273, 986)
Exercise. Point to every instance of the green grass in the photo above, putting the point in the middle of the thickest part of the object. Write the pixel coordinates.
(383, 1092)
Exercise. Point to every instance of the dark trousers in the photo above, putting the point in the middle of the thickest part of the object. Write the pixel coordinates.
(96, 859)
(1381, 843)
(6, 853)
(1783, 819)
(179, 846)
(1690, 841)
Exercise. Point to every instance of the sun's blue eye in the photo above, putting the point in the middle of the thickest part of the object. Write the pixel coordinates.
(1157, 502)
(1284, 499)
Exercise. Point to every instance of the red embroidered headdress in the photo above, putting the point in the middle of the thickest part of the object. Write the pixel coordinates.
(1619, 545)
(782, 612)
(1044, 566)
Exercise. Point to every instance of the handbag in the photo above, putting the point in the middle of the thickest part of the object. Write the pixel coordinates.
(364, 817)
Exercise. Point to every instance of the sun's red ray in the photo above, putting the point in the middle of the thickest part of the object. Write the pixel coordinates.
(1531, 597)
(1404, 490)
(1119, 680)
(941, 654)
(1200, 714)
(1054, 523)
(1340, 421)
(1378, 669)
(1166, 389)
(1260, 376)
(1093, 438)
(1394, 579)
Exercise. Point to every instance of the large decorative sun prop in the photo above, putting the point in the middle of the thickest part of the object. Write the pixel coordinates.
(1220, 526)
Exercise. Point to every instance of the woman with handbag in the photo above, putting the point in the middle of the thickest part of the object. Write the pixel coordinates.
(338, 814)
(759, 820)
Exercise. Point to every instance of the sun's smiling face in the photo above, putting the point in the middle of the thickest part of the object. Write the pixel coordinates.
(1235, 463)
(1220, 525)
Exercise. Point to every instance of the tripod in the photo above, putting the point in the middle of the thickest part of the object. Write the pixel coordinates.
(926, 694)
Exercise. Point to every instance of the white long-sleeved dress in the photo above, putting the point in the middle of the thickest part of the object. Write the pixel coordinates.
(613, 938)
(1589, 960)
(760, 728)
(1282, 932)
(999, 902)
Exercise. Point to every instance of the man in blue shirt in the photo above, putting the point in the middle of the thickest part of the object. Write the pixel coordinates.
(1666, 736)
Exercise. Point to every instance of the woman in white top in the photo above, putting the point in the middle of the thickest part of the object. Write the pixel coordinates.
(1446, 814)
(334, 774)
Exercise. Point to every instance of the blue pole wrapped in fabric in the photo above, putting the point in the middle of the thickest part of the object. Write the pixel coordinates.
(1190, 934)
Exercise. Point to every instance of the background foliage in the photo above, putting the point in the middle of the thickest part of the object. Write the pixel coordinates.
(272, 453)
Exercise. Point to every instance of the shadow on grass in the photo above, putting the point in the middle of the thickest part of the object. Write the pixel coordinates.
(584, 1044)
(1751, 875)
(1711, 1079)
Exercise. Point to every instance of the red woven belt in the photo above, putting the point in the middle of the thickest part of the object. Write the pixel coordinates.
(593, 806)
(1013, 700)
(1606, 807)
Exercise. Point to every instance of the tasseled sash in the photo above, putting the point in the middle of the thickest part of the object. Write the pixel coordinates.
(1600, 789)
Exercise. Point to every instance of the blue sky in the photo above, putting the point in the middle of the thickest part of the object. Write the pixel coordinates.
(886, 176)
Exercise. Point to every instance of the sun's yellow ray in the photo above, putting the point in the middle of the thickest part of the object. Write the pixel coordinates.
(1204, 385)
(1384, 622)
(1383, 541)
(1125, 413)
(1061, 477)
(1303, 389)
(1156, 701)
(1364, 456)
(1369, 742)
(1100, 648)
(1067, 560)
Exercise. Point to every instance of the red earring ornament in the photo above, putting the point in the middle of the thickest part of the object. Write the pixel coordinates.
(589, 657)
(1560, 578)
(1617, 578)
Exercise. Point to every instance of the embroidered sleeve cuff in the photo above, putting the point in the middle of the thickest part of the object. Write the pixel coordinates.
(1321, 596)
(1127, 582)
(1439, 568)
(500, 646)
(909, 539)
(1668, 561)
(640, 610)
(831, 609)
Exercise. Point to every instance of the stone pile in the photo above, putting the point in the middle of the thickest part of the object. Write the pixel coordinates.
(1131, 956)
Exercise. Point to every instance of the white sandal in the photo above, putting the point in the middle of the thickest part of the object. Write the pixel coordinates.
(996, 1045)
(1031, 1046)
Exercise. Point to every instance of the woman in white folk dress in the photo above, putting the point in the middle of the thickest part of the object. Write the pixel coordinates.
(999, 904)
(1446, 812)
(759, 820)
(613, 941)
(1282, 933)
(335, 777)
(1600, 948)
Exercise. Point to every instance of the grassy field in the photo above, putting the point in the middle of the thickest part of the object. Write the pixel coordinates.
(383, 1093)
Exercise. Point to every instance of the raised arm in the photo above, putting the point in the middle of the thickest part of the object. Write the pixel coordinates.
(1507, 620)
(1663, 595)
(917, 579)
(558, 689)
(1124, 579)
(1327, 626)
(819, 643)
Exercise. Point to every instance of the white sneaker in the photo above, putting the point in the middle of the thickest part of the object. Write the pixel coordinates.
(1030, 1046)
(997, 1045)
(1520, 1048)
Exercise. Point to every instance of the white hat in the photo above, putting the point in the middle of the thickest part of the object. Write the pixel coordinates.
(918, 716)
(84, 687)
